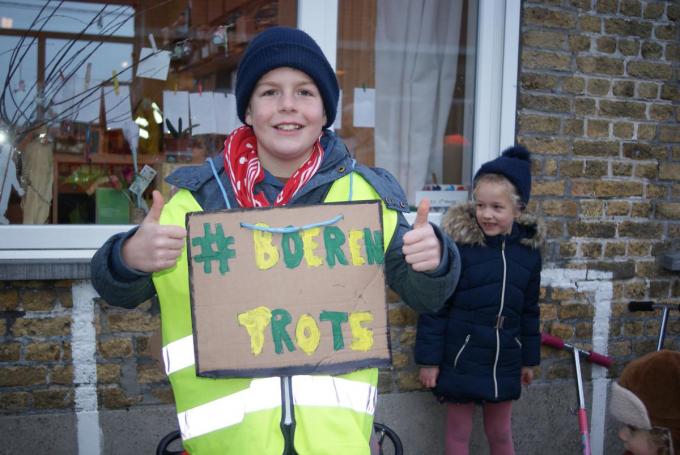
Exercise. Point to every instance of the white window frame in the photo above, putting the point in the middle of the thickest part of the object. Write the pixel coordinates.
(494, 125)
(496, 78)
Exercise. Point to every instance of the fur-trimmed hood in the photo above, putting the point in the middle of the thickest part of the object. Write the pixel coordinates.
(460, 223)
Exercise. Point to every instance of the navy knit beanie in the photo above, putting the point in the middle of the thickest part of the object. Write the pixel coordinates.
(515, 165)
(285, 46)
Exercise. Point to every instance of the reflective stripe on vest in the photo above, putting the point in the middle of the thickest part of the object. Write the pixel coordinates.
(334, 391)
(265, 393)
(262, 394)
(207, 405)
(178, 354)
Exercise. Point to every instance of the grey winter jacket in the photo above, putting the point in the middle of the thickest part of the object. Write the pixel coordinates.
(121, 286)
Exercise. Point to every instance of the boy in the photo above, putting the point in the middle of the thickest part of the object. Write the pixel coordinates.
(287, 95)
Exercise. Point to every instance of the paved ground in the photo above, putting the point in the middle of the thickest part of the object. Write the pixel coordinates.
(543, 423)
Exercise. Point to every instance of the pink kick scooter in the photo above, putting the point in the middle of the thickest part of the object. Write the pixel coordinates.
(590, 356)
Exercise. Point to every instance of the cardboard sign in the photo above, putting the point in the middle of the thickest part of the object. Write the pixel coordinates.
(288, 290)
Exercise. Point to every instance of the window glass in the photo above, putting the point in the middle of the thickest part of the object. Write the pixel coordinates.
(20, 88)
(406, 69)
(68, 57)
(56, 16)
(109, 97)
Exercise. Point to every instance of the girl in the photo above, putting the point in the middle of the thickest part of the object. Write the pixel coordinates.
(481, 347)
(286, 95)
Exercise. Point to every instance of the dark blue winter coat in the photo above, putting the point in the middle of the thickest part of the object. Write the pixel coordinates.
(489, 328)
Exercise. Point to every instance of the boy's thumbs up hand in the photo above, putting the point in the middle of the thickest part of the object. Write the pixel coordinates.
(421, 246)
(154, 247)
(154, 215)
(421, 214)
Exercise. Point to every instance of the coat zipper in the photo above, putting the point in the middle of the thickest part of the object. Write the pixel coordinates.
(500, 312)
(287, 424)
(460, 351)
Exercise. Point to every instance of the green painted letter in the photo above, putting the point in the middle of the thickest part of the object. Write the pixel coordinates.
(336, 318)
(280, 319)
(292, 258)
(374, 246)
(333, 239)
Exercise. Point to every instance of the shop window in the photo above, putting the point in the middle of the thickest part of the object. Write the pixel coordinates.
(103, 96)
(409, 100)
(407, 71)
(20, 89)
(51, 16)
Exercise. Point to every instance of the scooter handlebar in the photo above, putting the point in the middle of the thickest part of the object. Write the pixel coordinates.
(552, 340)
(602, 360)
(641, 306)
(647, 305)
(591, 356)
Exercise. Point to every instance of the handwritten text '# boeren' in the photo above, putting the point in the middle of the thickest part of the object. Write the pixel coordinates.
(313, 247)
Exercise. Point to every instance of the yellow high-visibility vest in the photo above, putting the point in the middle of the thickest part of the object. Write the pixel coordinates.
(333, 413)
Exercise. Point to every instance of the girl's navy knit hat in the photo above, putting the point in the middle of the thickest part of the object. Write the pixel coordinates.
(285, 46)
(515, 165)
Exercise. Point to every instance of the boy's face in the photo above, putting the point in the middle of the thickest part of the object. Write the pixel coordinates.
(494, 208)
(637, 442)
(287, 115)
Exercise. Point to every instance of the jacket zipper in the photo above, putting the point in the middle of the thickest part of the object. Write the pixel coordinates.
(519, 343)
(460, 351)
(287, 423)
(500, 312)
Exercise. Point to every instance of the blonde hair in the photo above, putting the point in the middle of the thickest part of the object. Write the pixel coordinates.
(499, 179)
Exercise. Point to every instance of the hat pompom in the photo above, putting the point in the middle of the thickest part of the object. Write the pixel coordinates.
(518, 152)
(515, 165)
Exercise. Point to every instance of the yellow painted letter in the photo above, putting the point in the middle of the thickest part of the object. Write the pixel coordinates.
(307, 334)
(309, 245)
(355, 248)
(266, 254)
(362, 338)
(255, 321)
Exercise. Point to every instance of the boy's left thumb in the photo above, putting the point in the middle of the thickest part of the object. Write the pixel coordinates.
(421, 215)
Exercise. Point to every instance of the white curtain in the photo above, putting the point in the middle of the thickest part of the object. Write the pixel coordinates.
(417, 46)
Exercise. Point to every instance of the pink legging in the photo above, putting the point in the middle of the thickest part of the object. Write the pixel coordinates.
(496, 426)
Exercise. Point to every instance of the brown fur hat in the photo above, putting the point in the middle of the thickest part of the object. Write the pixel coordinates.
(648, 393)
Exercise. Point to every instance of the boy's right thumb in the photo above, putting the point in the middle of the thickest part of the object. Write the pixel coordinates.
(154, 215)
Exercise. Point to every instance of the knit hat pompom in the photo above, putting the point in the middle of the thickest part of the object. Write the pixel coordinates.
(518, 152)
(515, 165)
(279, 47)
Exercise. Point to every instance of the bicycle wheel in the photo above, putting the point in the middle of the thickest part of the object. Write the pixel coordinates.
(163, 447)
(388, 440)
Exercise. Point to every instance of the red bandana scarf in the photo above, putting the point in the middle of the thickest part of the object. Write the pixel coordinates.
(245, 170)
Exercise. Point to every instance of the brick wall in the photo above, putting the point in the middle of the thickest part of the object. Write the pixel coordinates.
(598, 104)
(35, 352)
(36, 365)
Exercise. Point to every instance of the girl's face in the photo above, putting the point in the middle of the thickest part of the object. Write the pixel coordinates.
(495, 210)
(287, 115)
(637, 442)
